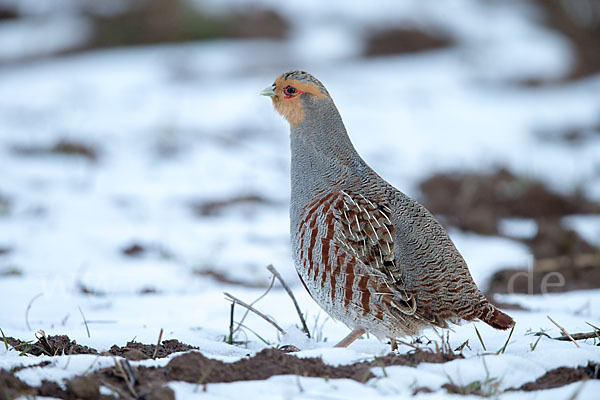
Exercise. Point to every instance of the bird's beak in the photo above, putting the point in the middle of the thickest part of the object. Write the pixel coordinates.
(269, 91)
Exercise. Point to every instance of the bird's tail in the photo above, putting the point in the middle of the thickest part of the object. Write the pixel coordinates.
(496, 318)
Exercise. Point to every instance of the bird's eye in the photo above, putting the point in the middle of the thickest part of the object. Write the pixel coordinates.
(289, 91)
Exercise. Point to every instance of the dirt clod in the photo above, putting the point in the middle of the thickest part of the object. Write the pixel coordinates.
(402, 40)
(477, 202)
(195, 368)
(134, 250)
(51, 389)
(138, 351)
(579, 22)
(156, 391)
(563, 376)
(11, 387)
(192, 367)
(150, 382)
(84, 387)
(222, 278)
(564, 261)
(50, 346)
(211, 208)
(63, 147)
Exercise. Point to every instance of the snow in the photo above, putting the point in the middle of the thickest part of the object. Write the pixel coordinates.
(180, 124)
(588, 226)
(520, 228)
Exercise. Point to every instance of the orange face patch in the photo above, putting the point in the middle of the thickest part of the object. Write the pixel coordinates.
(287, 102)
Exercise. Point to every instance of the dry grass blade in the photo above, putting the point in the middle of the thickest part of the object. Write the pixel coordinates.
(114, 389)
(444, 342)
(130, 372)
(230, 340)
(407, 344)
(128, 377)
(84, 322)
(272, 270)
(157, 344)
(462, 346)
(252, 304)
(29, 307)
(254, 310)
(563, 331)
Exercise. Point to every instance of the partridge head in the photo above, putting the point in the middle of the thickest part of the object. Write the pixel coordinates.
(369, 255)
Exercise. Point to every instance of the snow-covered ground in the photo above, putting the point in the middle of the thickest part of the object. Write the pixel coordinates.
(178, 125)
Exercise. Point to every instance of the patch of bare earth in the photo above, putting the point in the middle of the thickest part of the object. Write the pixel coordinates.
(129, 381)
(138, 351)
(149, 382)
(403, 41)
(61, 344)
(578, 21)
(63, 147)
(477, 202)
(563, 376)
(216, 207)
(50, 346)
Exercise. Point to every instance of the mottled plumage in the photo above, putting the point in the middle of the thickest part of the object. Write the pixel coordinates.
(371, 256)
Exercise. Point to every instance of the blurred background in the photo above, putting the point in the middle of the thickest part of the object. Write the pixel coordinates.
(140, 169)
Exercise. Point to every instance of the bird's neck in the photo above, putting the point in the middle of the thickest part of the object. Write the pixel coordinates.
(323, 157)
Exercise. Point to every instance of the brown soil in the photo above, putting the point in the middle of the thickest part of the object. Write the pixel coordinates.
(211, 208)
(7, 12)
(563, 376)
(554, 240)
(579, 22)
(61, 344)
(477, 202)
(134, 250)
(139, 351)
(11, 387)
(563, 261)
(198, 369)
(157, 21)
(50, 346)
(21, 367)
(257, 23)
(149, 382)
(84, 289)
(222, 278)
(63, 147)
(401, 41)
(138, 250)
(10, 271)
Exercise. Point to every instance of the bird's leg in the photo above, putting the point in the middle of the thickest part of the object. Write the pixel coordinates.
(352, 336)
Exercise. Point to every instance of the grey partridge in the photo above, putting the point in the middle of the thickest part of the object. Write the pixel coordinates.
(369, 255)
